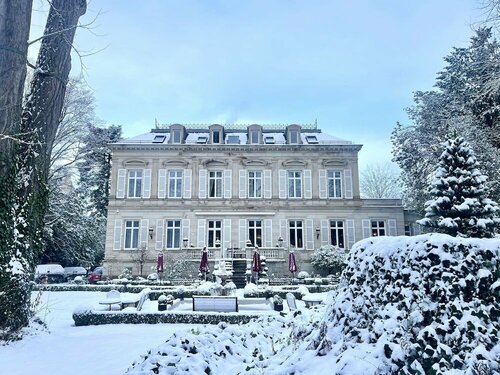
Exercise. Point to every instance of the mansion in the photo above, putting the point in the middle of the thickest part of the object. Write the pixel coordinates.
(180, 187)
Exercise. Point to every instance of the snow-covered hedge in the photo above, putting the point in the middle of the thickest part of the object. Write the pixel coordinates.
(428, 304)
(84, 317)
(329, 259)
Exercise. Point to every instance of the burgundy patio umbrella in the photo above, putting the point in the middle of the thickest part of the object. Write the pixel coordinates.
(204, 262)
(256, 265)
(159, 263)
(292, 264)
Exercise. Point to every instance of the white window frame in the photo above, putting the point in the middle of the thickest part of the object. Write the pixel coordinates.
(214, 228)
(334, 184)
(257, 178)
(378, 226)
(218, 178)
(175, 177)
(135, 177)
(132, 227)
(334, 230)
(296, 233)
(254, 230)
(293, 182)
(173, 234)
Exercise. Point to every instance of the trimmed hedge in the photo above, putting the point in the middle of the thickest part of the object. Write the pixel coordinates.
(99, 288)
(109, 317)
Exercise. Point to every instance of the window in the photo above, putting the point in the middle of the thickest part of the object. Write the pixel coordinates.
(254, 137)
(131, 234)
(202, 139)
(269, 140)
(337, 233)
(214, 232)
(233, 139)
(378, 228)
(312, 139)
(134, 183)
(334, 184)
(175, 184)
(254, 184)
(408, 230)
(159, 139)
(255, 232)
(294, 137)
(296, 234)
(215, 184)
(216, 136)
(294, 184)
(176, 136)
(173, 234)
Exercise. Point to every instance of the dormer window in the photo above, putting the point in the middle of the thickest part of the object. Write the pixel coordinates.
(176, 134)
(216, 134)
(293, 134)
(254, 134)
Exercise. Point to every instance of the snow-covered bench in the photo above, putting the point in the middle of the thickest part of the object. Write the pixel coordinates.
(136, 301)
(215, 303)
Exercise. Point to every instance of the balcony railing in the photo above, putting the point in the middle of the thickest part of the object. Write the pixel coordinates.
(271, 253)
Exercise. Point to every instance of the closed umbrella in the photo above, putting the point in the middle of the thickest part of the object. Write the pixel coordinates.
(204, 262)
(256, 265)
(159, 263)
(292, 263)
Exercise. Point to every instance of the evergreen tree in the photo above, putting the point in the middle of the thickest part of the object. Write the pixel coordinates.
(459, 205)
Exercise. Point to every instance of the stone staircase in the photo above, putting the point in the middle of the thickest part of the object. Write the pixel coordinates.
(239, 269)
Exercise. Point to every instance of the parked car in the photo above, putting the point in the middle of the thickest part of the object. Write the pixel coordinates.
(71, 272)
(49, 273)
(96, 275)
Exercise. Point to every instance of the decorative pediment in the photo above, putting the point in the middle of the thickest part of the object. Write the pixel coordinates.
(135, 163)
(334, 163)
(294, 163)
(215, 163)
(255, 162)
(175, 162)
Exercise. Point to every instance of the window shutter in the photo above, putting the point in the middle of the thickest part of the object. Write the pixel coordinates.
(120, 183)
(309, 235)
(202, 189)
(243, 233)
(162, 183)
(348, 184)
(283, 232)
(187, 183)
(201, 232)
(282, 184)
(243, 184)
(144, 233)
(324, 232)
(226, 239)
(351, 236)
(146, 192)
(159, 234)
(186, 230)
(323, 191)
(228, 184)
(268, 232)
(307, 184)
(268, 184)
(117, 238)
(391, 223)
(366, 229)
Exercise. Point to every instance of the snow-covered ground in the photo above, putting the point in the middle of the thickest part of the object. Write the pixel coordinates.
(96, 350)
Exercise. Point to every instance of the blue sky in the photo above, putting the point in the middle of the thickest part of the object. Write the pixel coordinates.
(352, 65)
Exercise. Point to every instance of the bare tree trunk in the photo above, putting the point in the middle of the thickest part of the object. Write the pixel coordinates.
(15, 19)
(42, 113)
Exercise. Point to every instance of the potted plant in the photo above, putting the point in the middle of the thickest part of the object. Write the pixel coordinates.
(278, 303)
(180, 293)
(162, 303)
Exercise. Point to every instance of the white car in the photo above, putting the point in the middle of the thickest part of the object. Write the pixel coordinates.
(50, 273)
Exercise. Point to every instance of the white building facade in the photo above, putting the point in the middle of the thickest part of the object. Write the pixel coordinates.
(233, 187)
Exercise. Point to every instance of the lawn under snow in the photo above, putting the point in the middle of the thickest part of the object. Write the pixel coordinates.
(112, 349)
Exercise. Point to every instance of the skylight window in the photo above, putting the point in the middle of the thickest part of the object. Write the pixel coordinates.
(312, 139)
(269, 140)
(159, 139)
(233, 139)
(202, 139)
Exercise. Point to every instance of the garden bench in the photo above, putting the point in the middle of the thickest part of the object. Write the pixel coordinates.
(136, 301)
(215, 303)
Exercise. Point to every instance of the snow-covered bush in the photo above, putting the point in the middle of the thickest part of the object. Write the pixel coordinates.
(459, 204)
(251, 290)
(428, 304)
(303, 275)
(328, 259)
